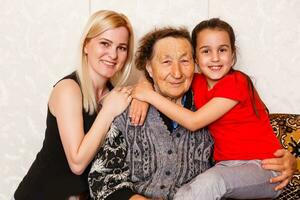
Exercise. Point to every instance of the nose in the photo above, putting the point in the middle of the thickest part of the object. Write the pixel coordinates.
(113, 53)
(215, 56)
(176, 70)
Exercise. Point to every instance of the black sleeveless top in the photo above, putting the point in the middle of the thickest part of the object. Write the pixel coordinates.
(50, 176)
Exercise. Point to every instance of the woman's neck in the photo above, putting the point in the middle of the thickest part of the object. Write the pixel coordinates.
(99, 85)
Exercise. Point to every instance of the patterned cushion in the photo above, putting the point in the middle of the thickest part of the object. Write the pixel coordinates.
(287, 129)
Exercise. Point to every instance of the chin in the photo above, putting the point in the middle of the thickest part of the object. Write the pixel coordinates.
(108, 75)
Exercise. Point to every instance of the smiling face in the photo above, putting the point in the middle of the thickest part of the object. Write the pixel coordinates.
(172, 66)
(107, 53)
(214, 54)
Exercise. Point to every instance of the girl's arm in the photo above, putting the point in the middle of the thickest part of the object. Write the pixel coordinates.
(207, 114)
(65, 104)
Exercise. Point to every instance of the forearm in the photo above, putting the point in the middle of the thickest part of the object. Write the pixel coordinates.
(186, 118)
(208, 113)
(91, 142)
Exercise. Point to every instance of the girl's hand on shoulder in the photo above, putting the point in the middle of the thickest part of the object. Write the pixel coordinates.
(116, 101)
(285, 163)
(142, 90)
(138, 111)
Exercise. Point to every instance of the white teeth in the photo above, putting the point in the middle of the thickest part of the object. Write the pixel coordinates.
(108, 63)
(218, 67)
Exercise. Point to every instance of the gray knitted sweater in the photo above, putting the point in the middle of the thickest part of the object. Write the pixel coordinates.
(157, 162)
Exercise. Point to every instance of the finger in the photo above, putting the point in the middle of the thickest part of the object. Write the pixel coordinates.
(272, 161)
(134, 120)
(136, 116)
(126, 89)
(142, 119)
(279, 152)
(273, 167)
(123, 89)
(279, 178)
(282, 185)
(131, 108)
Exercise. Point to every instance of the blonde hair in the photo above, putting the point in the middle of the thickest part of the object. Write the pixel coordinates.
(98, 23)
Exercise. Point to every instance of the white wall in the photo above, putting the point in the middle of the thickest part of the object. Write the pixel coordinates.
(39, 40)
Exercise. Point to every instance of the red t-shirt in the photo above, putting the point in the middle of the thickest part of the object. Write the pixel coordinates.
(239, 134)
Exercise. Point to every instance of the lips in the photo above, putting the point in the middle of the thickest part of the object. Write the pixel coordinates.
(176, 84)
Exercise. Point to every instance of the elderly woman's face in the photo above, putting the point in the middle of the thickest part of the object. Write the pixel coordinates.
(172, 66)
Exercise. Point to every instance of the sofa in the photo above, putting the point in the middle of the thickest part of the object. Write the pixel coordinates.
(287, 130)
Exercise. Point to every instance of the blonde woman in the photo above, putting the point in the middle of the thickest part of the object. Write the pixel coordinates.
(78, 118)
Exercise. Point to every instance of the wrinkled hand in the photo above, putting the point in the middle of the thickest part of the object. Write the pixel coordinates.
(138, 111)
(141, 91)
(285, 163)
(117, 100)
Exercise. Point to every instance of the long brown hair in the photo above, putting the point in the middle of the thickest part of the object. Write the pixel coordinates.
(217, 24)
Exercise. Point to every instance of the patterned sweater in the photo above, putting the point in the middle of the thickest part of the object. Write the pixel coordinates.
(157, 163)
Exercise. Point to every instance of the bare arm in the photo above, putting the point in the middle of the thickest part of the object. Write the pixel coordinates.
(66, 105)
(285, 163)
(207, 114)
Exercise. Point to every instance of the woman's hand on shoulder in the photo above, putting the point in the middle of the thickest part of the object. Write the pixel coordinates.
(285, 163)
(138, 111)
(116, 101)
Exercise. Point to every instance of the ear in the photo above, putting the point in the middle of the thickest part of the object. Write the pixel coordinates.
(85, 49)
(233, 59)
(149, 70)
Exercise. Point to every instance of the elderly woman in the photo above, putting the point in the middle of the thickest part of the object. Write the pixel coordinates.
(160, 156)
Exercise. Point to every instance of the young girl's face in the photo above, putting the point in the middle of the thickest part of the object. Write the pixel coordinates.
(214, 54)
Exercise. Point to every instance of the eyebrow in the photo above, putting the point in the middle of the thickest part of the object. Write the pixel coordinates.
(107, 40)
(184, 54)
(168, 56)
(223, 45)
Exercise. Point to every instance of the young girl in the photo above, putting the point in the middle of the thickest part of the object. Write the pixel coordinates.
(237, 118)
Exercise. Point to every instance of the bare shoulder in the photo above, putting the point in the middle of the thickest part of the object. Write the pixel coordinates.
(66, 93)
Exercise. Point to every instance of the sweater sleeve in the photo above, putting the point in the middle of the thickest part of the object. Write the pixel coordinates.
(109, 175)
